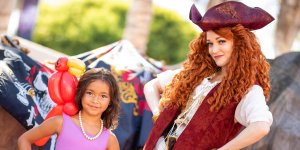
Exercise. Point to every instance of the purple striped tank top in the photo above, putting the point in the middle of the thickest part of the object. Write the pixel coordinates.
(71, 137)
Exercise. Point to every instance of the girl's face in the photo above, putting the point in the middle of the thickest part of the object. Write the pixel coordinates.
(220, 49)
(96, 98)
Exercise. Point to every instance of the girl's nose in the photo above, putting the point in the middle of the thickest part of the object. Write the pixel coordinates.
(96, 99)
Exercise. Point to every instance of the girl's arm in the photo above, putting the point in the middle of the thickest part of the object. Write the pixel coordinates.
(251, 134)
(113, 143)
(47, 128)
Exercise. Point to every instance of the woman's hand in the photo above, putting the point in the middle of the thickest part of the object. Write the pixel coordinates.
(251, 134)
(152, 91)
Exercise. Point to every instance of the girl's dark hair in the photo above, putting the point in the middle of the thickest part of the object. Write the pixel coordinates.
(110, 115)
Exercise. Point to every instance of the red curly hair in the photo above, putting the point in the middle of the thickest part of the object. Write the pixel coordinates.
(247, 66)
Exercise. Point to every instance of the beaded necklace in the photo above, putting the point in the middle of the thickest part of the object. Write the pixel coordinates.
(83, 131)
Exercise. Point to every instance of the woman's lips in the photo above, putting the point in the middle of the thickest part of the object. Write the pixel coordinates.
(218, 56)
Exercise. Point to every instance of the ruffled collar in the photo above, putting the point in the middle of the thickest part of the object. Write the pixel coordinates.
(205, 87)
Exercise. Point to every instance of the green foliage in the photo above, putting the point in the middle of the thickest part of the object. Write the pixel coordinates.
(169, 37)
(82, 25)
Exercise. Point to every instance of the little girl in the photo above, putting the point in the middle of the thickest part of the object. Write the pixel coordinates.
(97, 98)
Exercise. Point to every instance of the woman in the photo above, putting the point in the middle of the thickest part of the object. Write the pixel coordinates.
(224, 85)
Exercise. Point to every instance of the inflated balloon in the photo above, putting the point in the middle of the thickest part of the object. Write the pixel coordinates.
(55, 111)
(61, 64)
(76, 72)
(42, 141)
(70, 108)
(76, 67)
(54, 87)
(76, 63)
(62, 88)
(68, 87)
(62, 84)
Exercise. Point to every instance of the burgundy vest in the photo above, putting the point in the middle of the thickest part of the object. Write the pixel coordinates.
(206, 130)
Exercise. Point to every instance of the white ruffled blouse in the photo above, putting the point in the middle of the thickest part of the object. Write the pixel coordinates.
(251, 108)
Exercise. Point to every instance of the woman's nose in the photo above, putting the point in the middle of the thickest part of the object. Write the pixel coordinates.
(214, 49)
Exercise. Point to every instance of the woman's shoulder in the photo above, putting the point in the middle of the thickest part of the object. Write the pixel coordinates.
(253, 107)
(255, 93)
(165, 77)
(256, 89)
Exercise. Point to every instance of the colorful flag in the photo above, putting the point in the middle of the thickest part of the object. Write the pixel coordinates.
(24, 87)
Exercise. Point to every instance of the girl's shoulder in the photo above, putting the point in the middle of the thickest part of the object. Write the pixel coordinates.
(111, 136)
(53, 123)
(62, 119)
(56, 119)
(111, 133)
(113, 141)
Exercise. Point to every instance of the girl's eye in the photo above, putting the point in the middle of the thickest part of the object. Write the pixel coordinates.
(104, 96)
(89, 93)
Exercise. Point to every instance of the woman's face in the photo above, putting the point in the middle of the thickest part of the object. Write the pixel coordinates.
(220, 49)
(96, 98)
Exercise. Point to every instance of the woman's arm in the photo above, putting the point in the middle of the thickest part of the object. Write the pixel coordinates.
(152, 91)
(155, 87)
(251, 134)
(47, 128)
(113, 143)
(253, 113)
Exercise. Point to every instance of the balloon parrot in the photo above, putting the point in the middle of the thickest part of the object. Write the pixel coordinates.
(62, 87)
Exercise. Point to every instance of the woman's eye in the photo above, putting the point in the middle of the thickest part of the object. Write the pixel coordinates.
(222, 41)
(103, 96)
(209, 44)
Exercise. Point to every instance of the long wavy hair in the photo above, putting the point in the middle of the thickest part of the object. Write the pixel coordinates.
(111, 114)
(247, 66)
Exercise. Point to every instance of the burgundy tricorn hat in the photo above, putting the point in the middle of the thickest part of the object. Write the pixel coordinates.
(229, 14)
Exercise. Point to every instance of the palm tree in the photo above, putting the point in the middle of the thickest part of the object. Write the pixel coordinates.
(5, 12)
(138, 23)
(214, 2)
(288, 25)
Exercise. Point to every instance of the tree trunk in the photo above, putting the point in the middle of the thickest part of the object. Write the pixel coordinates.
(288, 25)
(7, 7)
(138, 24)
(214, 2)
